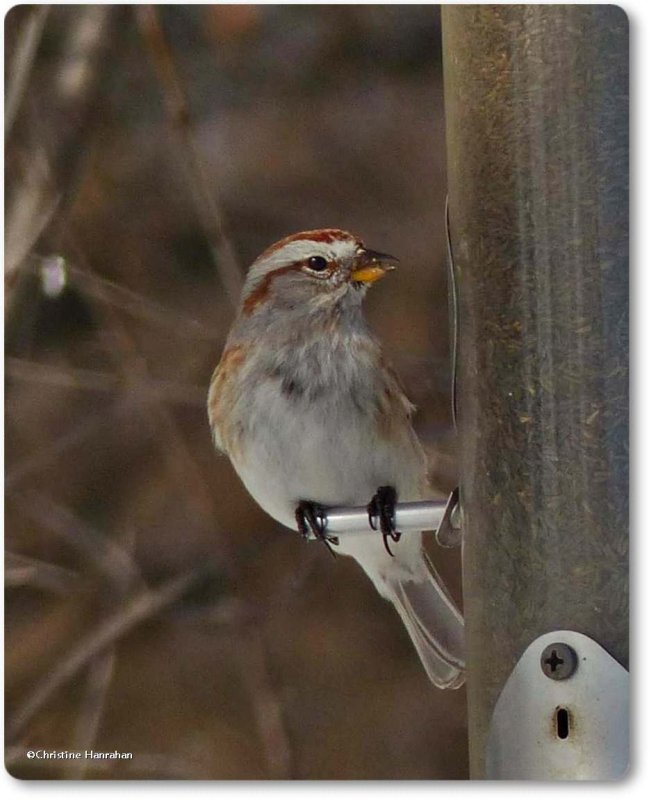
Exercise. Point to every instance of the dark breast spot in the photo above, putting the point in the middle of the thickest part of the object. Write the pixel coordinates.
(289, 385)
(290, 388)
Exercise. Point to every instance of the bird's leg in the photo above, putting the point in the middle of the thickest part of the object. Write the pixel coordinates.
(311, 518)
(382, 507)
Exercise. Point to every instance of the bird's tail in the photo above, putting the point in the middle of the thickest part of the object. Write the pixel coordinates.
(434, 623)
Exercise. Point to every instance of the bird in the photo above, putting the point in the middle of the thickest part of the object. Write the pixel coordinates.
(312, 415)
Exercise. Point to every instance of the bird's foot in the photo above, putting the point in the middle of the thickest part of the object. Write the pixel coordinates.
(382, 507)
(312, 520)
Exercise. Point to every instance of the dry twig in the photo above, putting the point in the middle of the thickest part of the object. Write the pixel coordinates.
(208, 209)
(135, 611)
(112, 561)
(107, 291)
(123, 350)
(267, 706)
(22, 62)
(91, 425)
(51, 177)
(91, 708)
(22, 570)
(86, 379)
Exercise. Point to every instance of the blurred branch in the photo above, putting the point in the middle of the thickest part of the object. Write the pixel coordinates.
(50, 179)
(163, 428)
(22, 62)
(267, 707)
(124, 352)
(136, 304)
(112, 561)
(98, 679)
(177, 106)
(29, 213)
(131, 614)
(100, 673)
(71, 377)
(119, 568)
(76, 378)
(91, 425)
(21, 570)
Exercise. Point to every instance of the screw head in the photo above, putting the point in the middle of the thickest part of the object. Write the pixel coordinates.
(558, 661)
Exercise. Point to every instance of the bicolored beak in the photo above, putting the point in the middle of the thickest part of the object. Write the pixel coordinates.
(369, 266)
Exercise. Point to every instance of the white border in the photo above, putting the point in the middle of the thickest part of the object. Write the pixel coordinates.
(638, 782)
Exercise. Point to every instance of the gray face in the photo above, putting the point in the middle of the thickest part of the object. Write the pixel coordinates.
(317, 282)
(303, 274)
(317, 271)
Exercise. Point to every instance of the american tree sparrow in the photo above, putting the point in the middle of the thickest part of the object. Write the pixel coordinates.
(311, 416)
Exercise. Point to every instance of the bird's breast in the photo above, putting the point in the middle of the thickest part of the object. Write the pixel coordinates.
(326, 449)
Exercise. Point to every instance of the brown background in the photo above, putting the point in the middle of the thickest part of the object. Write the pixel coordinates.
(268, 659)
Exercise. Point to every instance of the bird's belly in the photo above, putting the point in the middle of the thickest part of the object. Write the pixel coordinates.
(322, 452)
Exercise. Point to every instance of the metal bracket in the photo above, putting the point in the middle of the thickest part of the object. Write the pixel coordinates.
(449, 531)
(563, 714)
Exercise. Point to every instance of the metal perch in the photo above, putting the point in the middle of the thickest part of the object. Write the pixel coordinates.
(433, 515)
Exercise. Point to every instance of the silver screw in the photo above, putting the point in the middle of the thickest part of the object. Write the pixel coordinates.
(558, 661)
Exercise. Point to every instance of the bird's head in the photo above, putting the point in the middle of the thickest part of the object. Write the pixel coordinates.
(313, 270)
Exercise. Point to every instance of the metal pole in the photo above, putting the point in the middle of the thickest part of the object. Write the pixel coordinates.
(537, 128)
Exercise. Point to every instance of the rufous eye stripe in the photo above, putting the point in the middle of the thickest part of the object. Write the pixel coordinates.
(260, 292)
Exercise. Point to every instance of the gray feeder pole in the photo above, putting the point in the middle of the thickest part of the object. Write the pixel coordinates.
(537, 128)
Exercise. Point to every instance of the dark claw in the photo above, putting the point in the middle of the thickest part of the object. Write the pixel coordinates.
(311, 518)
(382, 506)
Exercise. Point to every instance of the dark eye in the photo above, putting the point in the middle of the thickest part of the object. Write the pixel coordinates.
(317, 263)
